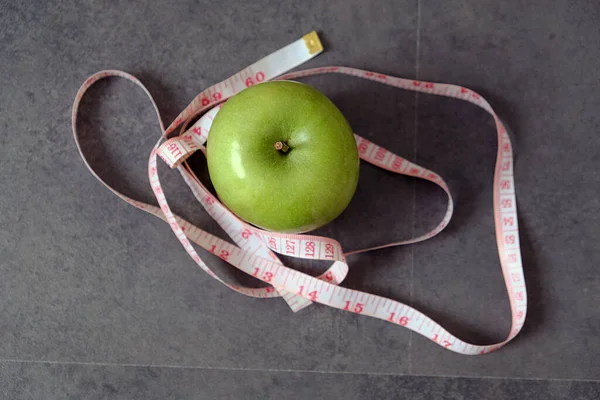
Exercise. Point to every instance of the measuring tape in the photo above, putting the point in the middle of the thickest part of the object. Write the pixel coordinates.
(254, 251)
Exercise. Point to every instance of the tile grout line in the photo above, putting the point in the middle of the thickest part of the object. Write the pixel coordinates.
(414, 192)
(304, 371)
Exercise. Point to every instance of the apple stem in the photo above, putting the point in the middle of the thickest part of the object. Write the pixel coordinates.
(282, 146)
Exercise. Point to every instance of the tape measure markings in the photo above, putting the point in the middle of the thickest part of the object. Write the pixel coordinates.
(254, 249)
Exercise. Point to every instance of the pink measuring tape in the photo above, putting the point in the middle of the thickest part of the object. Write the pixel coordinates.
(254, 249)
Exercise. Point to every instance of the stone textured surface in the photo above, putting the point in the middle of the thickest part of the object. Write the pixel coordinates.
(64, 381)
(86, 278)
(539, 67)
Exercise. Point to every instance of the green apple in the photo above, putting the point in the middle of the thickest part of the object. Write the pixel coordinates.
(282, 157)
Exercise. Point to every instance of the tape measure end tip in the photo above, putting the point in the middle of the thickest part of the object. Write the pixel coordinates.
(313, 43)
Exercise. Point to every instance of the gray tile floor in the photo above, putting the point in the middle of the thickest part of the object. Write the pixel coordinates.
(97, 300)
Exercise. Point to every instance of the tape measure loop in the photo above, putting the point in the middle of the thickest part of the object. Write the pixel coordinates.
(254, 250)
